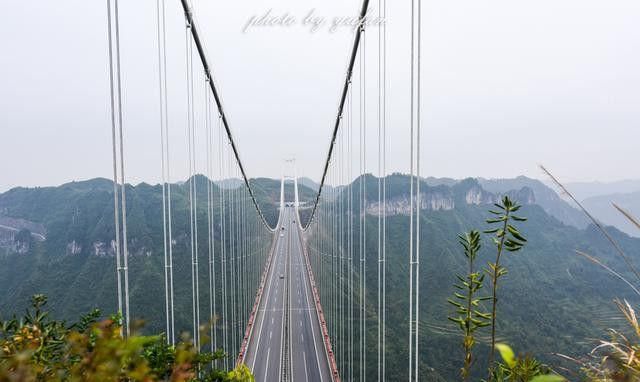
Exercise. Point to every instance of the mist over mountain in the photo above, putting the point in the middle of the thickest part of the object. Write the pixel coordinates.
(585, 190)
(545, 197)
(597, 198)
(602, 208)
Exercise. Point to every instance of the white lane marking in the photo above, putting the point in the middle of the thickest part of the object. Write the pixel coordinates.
(313, 335)
(282, 319)
(306, 373)
(270, 334)
(266, 368)
(268, 291)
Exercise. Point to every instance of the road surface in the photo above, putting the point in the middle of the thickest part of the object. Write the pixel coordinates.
(307, 359)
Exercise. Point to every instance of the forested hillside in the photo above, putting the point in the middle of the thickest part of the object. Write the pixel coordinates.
(552, 300)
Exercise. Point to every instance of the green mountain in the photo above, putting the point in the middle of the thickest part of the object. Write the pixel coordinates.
(75, 264)
(552, 301)
(544, 197)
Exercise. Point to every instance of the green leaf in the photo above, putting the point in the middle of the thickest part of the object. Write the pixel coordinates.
(548, 378)
(456, 320)
(507, 354)
(512, 230)
(512, 244)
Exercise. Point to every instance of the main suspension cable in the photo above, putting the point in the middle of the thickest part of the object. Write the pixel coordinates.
(343, 97)
(216, 95)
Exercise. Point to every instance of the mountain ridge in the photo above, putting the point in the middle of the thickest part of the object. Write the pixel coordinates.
(76, 267)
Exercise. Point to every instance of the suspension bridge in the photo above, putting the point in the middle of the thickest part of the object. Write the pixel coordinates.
(288, 300)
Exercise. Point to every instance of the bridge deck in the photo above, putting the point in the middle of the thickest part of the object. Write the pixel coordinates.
(308, 359)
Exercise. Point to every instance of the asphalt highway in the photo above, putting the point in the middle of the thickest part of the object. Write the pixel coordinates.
(307, 357)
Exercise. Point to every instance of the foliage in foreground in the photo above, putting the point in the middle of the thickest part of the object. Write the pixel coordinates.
(615, 359)
(471, 316)
(38, 348)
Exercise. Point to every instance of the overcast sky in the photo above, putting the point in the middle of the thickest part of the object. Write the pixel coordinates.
(556, 81)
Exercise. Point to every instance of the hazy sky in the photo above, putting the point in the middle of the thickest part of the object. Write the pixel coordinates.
(555, 80)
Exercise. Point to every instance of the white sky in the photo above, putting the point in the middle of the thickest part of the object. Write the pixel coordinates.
(553, 80)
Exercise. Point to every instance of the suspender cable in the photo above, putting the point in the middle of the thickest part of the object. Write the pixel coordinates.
(363, 212)
(123, 197)
(237, 293)
(345, 249)
(231, 261)
(210, 226)
(115, 157)
(382, 211)
(166, 186)
(120, 210)
(238, 252)
(162, 165)
(223, 244)
(336, 256)
(241, 264)
(341, 341)
(236, 261)
(351, 235)
(333, 279)
(193, 223)
(243, 270)
(414, 246)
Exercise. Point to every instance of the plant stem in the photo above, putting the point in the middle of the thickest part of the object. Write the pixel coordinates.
(495, 275)
(468, 342)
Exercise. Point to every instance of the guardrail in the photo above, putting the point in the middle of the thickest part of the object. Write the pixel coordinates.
(286, 338)
(256, 305)
(335, 375)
